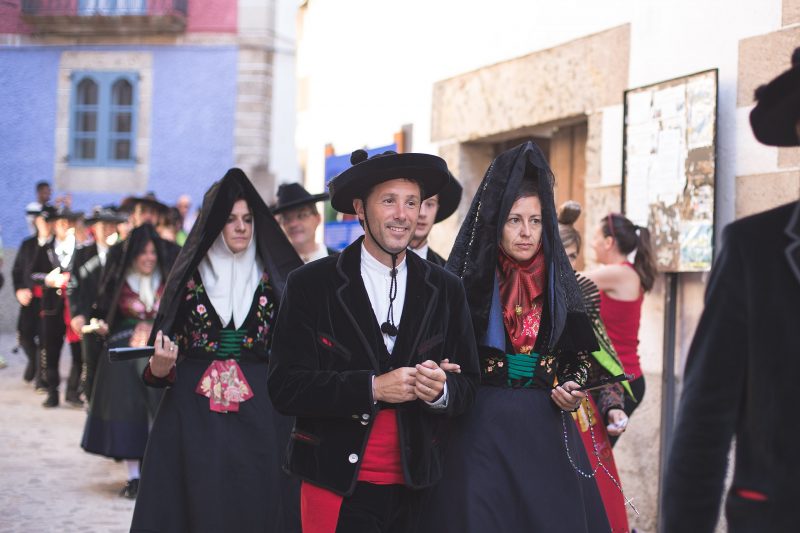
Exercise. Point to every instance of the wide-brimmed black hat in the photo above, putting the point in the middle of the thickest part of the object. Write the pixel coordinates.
(105, 214)
(776, 114)
(65, 212)
(429, 170)
(46, 211)
(149, 199)
(449, 198)
(293, 195)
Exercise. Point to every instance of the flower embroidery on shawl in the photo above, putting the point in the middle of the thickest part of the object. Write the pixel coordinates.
(224, 384)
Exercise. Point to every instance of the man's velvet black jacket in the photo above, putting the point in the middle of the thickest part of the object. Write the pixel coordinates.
(741, 380)
(327, 346)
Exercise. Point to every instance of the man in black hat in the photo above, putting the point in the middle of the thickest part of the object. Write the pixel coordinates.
(51, 270)
(742, 368)
(145, 209)
(433, 210)
(28, 294)
(84, 284)
(356, 356)
(296, 212)
(43, 193)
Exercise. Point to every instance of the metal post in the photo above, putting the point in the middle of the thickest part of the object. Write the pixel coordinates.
(667, 376)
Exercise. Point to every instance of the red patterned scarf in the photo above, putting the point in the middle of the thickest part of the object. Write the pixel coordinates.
(522, 295)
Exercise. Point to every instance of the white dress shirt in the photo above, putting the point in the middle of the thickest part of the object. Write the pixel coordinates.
(422, 251)
(377, 280)
(319, 253)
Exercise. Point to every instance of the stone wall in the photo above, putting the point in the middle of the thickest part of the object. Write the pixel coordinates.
(761, 58)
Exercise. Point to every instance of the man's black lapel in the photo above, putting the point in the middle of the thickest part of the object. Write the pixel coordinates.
(421, 296)
(353, 299)
(793, 249)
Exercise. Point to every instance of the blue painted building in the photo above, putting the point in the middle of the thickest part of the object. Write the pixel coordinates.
(104, 101)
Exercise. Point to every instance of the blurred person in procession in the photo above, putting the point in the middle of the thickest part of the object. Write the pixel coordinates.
(296, 211)
(622, 287)
(188, 216)
(43, 194)
(169, 226)
(742, 367)
(516, 462)
(356, 357)
(141, 210)
(213, 461)
(601, 414)
(84, 286)
(122, 408)
(432, 211)
(51, 271)
(29, 294)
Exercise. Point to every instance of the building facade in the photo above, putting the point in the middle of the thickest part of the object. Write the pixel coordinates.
(470, 80)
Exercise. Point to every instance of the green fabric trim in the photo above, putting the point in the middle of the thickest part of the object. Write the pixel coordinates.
(521, 366)
(230, 343)
(612, 366)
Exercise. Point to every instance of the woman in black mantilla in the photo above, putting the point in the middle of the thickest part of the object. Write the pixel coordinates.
(507, 468)
(213, 462)
(122, 408)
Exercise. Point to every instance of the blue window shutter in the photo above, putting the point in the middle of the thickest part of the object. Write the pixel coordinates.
(103, 116)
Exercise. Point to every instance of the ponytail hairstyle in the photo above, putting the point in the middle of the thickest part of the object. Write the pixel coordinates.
(568, 213)
(629, 237)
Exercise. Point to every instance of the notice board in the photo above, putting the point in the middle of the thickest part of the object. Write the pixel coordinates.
(669, 168)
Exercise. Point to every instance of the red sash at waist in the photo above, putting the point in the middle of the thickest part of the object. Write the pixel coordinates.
(381, 464)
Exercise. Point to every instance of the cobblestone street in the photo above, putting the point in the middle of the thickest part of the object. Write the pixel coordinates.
(47, 482)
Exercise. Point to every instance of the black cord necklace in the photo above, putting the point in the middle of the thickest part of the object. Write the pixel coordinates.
(388, 327)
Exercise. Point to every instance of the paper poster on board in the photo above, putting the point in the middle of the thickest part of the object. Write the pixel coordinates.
(670, 166)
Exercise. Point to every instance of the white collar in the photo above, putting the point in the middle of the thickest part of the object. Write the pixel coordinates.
(377, 280)
(230, 279)
(319, 253)
(422, 251)
(369, 261)
(145, 285)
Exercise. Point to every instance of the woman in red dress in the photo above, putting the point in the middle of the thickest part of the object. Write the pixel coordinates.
(622, 285)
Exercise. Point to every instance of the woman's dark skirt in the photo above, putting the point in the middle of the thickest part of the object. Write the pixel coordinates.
(121, 409)
(210, 472)
(507, 471)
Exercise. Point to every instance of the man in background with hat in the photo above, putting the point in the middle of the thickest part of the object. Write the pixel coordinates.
(84, 284)
(356, 356)
(145, 209)
(296, 212)
(743, 366)
(29, 295)
(433, 210)
(51, 270)
(43, 193)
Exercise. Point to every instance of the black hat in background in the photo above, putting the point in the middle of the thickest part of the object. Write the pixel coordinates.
(105, 214)
(65, 212)
(774, 119)
(47, 211)
(429, 170)
(149, 199)
(292, 195)
(449, 198)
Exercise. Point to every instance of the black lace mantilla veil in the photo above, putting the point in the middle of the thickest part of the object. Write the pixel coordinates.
(273, 248)
(475, 253)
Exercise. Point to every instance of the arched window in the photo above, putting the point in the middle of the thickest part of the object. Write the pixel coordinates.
(121, 120)
(86, 110)
(103, 122)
